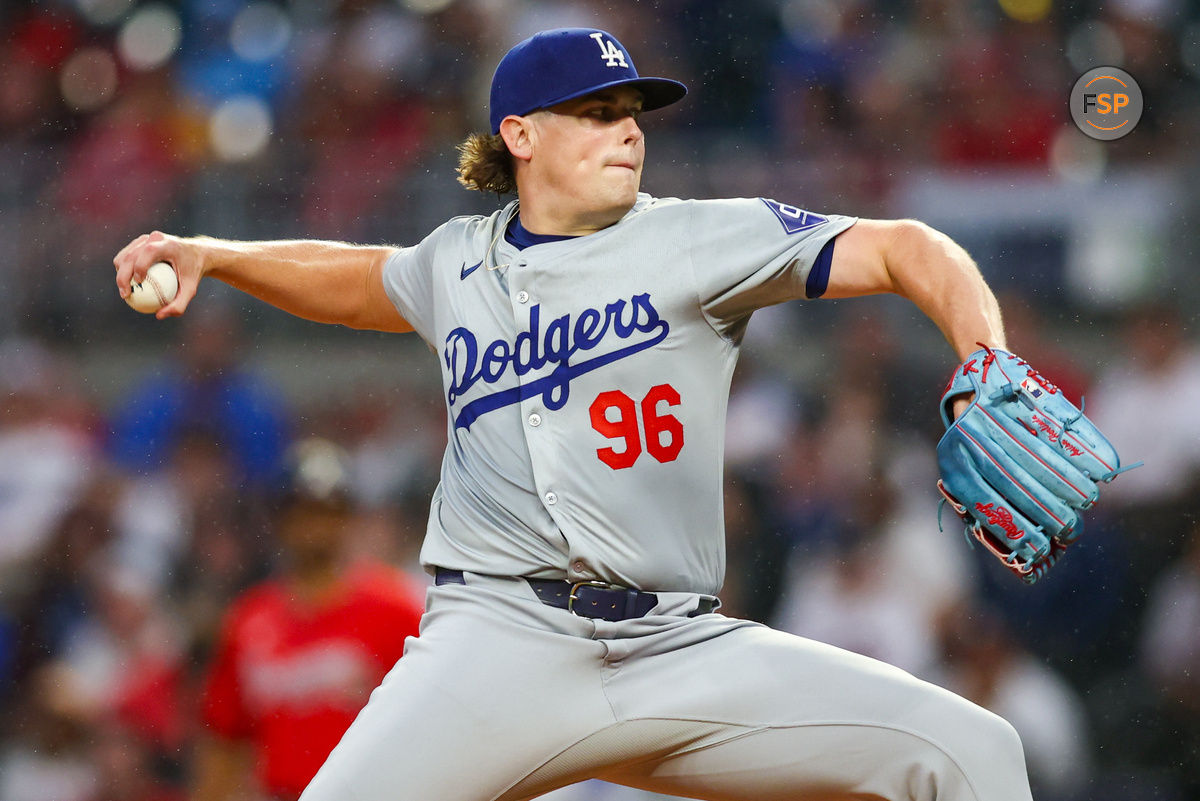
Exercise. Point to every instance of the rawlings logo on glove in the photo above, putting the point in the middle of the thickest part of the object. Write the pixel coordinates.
(1021, 463)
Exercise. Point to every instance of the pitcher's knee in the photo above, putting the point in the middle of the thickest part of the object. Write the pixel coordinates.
(978, 766)
(997, 736)
(971, 753)
(988, 751)
(963, 726)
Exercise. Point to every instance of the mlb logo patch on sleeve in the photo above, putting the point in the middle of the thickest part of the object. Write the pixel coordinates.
(794, 219)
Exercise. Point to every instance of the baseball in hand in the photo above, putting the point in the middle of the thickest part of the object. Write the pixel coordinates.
(155, 291)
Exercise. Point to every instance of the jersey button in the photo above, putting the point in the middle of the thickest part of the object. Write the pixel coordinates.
(521, 263)
(522, 296)
(551, 499)
(578, 566)
(535, 419)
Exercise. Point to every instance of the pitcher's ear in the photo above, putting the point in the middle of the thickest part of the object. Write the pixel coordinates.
(518, 134)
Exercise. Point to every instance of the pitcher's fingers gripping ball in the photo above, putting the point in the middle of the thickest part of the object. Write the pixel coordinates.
(156, 290)
(1022, 463)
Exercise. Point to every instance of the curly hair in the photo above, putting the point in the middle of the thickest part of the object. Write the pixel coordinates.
(485, 165)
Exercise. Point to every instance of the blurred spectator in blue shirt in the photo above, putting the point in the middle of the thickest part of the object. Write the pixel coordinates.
(207, 389)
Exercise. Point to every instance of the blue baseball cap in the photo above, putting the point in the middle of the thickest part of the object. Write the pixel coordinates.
(565, 63)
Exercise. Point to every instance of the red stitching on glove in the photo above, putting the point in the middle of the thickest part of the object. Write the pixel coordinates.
(987, 363)
(1010, 477)
(1041, 380)
(1009, 559)
(1039, 459)
(987, 360)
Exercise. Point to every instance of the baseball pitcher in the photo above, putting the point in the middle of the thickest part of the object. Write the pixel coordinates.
(587, 334)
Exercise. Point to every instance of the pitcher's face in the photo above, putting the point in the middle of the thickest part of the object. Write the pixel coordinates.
(588, 153)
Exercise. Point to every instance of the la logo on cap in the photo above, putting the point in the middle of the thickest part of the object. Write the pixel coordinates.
(554, 66)
(612, 56)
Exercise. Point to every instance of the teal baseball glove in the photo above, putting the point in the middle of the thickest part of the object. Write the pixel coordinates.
(1021, 463)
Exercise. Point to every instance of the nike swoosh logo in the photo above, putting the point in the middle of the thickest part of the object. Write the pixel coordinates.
(465, 271)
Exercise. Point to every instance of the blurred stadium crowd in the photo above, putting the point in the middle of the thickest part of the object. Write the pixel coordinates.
(138, 460)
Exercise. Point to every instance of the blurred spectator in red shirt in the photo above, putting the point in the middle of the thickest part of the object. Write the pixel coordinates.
(299, 653)
(995, 112)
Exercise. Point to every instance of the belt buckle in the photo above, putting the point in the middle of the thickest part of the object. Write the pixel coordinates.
(572, 598)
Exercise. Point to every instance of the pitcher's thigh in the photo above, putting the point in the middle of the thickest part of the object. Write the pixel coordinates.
(464, 714)
(806, 720)
(824, 762)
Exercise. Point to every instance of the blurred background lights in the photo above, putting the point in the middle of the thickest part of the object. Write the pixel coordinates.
(1026, 10)
(240, 128)
(385, 42)
(809, 20)
(1189, 48)
(427, 6)
(88, 79)
(1094, 44)
(1077, 158)
(260, 31)
(103, 12)
(150, 37)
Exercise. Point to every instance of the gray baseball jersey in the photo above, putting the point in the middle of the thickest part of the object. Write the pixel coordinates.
(586, 382)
